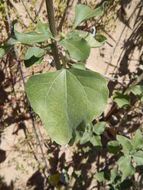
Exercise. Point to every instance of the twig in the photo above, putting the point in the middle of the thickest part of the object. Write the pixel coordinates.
(39, 10)
(28, 12)
(13, 5)
(28, 103)
(64, 16)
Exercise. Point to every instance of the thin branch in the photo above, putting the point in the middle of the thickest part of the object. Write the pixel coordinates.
(28, 103)
(28, 12)
(39, 10)
(64, 16)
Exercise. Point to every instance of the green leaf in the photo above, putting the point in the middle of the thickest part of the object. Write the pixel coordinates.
(85, 138)
(113, 146)
(11, 41)
(126, 167)
(113, 175)
(83, 12)
(80, 66)
(97, 95)
(44, 28)
(138, 158)
(43, 34)
(96, 141)
(99, 127)
(78, 48)
(100, 177)
(126, 144)
(100, 38)
(59, 99)
(34, 55)
(91, 40)
(121, 99)
(3, 50)
(62, 101)
(136, 90)
(137, 141)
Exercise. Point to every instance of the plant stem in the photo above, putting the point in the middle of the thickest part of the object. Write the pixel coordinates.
(51, 19)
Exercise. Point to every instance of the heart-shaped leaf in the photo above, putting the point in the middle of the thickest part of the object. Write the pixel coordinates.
(83, 12)
(63, 100)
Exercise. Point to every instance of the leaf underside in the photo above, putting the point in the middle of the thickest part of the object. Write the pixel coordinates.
(83, 12)
(65, 98)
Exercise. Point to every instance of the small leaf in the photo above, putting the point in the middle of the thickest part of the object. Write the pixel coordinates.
(96, 141)
(99, 127)
(78, 48)
(126, 144)
(83, 12)
(136, 90)
(137, 141)
(85, 138)
(100, 38)
(33, 37)
(126, 167)
(113, 175)
(80, 66)
(3, 50)
(113, 146)
(138, 158)
(121, 99)
(100, 177)
(34, 55)
(91, 40)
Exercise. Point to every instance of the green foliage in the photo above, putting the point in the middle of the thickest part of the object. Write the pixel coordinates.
(137, 141)
(77, 98)
(34, 55)
(93, 42)
(68, 100)
(125, 166)
(78, 48)
(132, 151)
(83, 12)
(113, 146)
(92, 134)
(43, 33)
(121, 99)
(99, 127)
(136, 90)
(100, 176)
(126, 144)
